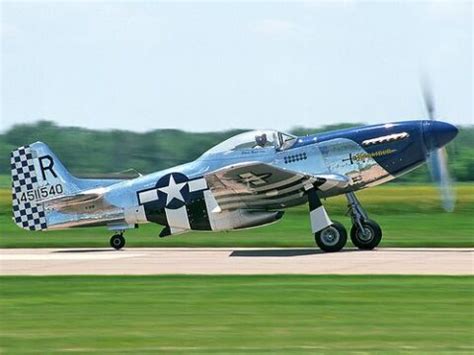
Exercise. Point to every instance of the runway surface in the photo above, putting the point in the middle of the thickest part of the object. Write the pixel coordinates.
(227, 261)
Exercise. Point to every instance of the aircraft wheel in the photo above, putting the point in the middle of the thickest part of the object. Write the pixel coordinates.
(332, 238)
(368, 239)
(117, 241)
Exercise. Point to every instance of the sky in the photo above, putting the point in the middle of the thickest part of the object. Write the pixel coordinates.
(207, 66)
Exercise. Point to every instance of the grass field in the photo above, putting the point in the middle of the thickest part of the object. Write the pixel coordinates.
(236, 314)
(5, 181)
(410, 216)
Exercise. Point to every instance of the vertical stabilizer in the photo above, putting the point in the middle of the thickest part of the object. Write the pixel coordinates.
(37, 175)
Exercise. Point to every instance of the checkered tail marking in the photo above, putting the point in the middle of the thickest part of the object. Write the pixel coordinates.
(27, 214)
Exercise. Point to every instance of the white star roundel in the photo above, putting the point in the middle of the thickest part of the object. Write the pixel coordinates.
(173, 190)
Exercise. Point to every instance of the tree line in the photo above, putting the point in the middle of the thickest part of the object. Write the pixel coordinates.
(87, 152)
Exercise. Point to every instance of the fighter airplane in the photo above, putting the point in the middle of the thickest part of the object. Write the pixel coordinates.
(243, 182)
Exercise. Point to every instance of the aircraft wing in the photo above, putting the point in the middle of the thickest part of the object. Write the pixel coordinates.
(258, 185)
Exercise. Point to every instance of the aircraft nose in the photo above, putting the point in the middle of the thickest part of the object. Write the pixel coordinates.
(437, 134)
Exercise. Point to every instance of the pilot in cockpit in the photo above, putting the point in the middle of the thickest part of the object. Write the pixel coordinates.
(261, 140)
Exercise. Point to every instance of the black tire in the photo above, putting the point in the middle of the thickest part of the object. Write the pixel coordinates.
(332, 238)
(117, 241)
(371, 239)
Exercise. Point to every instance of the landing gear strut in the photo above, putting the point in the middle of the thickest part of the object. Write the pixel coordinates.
(365, 233)
(117, 241)
(329, 235)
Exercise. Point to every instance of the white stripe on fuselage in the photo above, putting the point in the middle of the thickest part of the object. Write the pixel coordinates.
(177, 219)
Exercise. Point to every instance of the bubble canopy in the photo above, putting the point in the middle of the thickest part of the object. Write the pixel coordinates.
(261, 139)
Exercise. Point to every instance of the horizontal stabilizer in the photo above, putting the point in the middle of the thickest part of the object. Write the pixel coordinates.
(71, 200)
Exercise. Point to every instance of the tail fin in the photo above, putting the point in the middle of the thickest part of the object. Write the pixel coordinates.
(37, 175)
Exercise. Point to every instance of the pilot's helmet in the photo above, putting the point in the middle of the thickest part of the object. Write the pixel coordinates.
(261, 140)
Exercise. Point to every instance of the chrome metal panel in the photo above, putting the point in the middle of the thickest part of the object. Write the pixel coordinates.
(57, 220)
(345, 157)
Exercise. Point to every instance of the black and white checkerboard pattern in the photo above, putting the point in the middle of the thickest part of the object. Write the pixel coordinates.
(27, 214)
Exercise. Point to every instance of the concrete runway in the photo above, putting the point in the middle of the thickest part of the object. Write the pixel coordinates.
(227, 261)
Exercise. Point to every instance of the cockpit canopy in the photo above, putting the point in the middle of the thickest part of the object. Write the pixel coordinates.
(254, 140)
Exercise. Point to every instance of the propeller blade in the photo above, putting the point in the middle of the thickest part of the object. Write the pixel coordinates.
(428, 98)
(438, 159)
(439, 171)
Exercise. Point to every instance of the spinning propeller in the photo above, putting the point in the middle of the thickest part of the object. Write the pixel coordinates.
(438, 159)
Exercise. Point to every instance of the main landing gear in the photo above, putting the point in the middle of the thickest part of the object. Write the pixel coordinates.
(117, 241)
(331, 236)
(366, 234)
